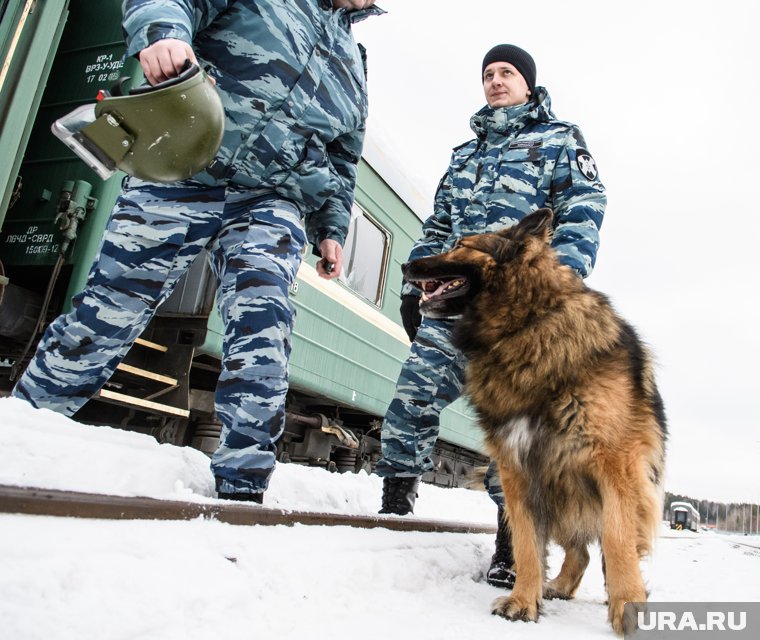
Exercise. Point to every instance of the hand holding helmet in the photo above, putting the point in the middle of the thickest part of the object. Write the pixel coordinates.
(165, 59)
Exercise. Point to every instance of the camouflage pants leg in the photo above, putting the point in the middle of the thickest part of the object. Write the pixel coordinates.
(256, 258)
(493, 484)
(152, 237)
(154, 233)
(431, 379)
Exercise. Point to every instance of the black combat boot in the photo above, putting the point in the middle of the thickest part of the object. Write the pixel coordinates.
(399, 495)
(501, 572)
(258, 498)
(241, 496)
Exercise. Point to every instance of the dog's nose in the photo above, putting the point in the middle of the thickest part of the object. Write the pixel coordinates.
(404, 267)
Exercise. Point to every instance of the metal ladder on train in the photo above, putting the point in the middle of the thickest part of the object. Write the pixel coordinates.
(149, 391)
(151, 386)
(143, 396)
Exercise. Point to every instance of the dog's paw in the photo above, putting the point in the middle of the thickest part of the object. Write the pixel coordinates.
(622, 618)
(551, 593)
(559, 589)
(515, 608)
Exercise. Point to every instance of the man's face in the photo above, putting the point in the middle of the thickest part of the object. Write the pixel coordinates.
(352, 4)
(504, 85)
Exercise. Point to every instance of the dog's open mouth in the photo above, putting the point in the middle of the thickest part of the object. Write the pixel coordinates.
(442, 288)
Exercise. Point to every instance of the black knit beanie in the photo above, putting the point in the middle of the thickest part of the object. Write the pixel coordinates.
(520, 59)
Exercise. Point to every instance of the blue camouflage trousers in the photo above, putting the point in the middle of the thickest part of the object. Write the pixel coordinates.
(431, 379)
(254, 240)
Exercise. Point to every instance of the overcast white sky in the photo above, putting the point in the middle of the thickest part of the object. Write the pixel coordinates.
(668, 97)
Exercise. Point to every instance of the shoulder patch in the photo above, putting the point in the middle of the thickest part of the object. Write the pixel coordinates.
(586, 164)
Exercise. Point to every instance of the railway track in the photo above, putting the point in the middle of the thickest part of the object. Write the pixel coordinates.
(748, 548)
(73, 504)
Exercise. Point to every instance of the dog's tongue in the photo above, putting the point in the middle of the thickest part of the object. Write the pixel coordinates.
(439, 290)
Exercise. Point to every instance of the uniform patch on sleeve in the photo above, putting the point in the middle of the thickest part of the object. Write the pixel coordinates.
(586, 164)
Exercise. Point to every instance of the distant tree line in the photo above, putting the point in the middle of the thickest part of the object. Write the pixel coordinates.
(734, 517)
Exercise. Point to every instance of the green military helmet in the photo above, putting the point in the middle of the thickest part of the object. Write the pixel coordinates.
(163, 133)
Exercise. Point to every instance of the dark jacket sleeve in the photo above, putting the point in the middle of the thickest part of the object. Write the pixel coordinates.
(332, 219)
(579, 201)
(148, 21)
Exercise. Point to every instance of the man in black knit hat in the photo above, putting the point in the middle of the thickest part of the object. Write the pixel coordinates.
(522, 158)
(508, 57)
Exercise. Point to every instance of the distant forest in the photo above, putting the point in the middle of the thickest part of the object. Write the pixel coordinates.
(736, 518)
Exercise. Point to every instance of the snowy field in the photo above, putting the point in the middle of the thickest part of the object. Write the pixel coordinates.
(68, 579)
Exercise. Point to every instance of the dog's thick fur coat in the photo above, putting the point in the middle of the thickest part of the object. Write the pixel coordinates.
(566, 397)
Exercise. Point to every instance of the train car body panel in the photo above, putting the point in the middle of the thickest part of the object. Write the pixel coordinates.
(29, 35)
(82, 62)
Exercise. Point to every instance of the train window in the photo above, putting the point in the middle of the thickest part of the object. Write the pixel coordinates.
(365, 256)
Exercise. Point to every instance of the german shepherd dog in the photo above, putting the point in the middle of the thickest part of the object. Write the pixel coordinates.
(565, 395)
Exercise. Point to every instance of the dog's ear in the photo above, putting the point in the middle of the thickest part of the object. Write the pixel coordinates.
(539, 224)
(507, 248)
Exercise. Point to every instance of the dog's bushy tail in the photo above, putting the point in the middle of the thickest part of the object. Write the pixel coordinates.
(477, 479)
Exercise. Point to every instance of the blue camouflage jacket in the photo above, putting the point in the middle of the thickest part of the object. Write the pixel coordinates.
(523, 159)
(292, 82)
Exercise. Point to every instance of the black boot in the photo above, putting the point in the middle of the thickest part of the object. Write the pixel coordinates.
(241, 496)
(258, 498)
(501, 572)
(399, 495)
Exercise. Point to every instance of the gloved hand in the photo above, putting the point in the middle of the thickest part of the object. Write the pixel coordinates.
(410, 314)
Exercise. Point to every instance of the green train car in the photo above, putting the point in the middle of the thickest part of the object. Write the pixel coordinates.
(348, 344)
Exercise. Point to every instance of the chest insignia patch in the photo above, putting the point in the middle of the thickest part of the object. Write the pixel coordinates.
(525, 144)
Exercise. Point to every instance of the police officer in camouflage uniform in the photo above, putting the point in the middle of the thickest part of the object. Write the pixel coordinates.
(292, 83)
(523, 158)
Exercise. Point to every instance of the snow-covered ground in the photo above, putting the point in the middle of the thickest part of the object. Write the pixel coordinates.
(68, 579)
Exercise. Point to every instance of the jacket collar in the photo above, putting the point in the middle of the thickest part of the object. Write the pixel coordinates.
(363, 14)
(498, 121)
(353, 15)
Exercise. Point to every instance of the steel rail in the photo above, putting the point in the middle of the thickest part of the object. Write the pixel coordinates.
(74, 504)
